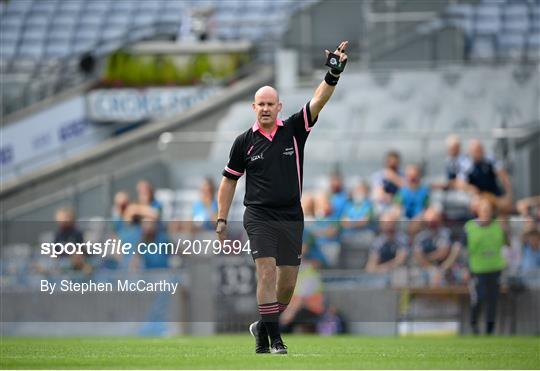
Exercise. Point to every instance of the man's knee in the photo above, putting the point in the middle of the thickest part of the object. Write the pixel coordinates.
(266, 273)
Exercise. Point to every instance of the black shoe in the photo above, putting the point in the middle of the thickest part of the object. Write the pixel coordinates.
(257, 329)
(278, 348)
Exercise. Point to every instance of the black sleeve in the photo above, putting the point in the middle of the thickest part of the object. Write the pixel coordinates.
(302, 123)
(236, 166)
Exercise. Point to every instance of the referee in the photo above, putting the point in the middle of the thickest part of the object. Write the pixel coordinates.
(271, 153)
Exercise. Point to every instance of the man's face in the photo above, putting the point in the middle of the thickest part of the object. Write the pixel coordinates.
(266, 106)
(453, 149)
(336, 184)
(413, 174)
(476, 151)
(64, 219)
(392, 162)
(485, 211)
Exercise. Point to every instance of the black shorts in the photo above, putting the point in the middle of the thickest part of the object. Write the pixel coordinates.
(276, 233)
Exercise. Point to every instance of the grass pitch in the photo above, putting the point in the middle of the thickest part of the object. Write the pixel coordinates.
(305, 352)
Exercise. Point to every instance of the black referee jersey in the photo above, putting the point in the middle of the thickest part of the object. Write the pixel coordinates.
(273, 163)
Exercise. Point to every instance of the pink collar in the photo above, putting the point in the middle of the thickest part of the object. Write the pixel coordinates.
(257, 127)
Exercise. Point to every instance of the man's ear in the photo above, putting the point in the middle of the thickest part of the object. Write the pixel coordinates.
(253, 106)
(280, 105)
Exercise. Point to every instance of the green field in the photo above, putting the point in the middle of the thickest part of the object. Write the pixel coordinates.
(305, 352)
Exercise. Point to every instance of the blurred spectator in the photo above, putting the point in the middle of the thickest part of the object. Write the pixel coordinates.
(66, 230)
(338, 196)
(120, 204)
(529, 208)
(386, 182)
(389, 249)
(358, 213)
(307, 304)
(157, 257)
(487, 178)
(79, 264)
(456, 162)
(204, 210)
(145, 197)
(485, 239)
(308, 207)
(146, 207)
(325, 228)
(311, 252)
(530, 256)
(413, 196)
(197, 24)
(434, 251)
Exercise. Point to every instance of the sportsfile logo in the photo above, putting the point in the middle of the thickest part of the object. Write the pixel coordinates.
(117, 247)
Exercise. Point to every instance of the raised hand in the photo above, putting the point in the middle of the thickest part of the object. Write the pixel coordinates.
(340, 51)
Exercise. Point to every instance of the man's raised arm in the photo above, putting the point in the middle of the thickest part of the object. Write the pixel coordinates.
(327, 87)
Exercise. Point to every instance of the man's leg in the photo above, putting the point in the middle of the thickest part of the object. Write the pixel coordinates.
(492, 295)
(477, 293)
(286, 282)
(266, 296)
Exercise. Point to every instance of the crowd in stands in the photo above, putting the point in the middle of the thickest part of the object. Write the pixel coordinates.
(388, 219)
(391, 215)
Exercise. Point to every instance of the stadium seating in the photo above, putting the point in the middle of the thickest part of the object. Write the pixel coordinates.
(39, 32)
(499, 30)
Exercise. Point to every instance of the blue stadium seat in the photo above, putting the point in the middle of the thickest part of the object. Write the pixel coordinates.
(516, 17)
(64, 19)
(124, 6)
(47, 6)
(61, 32)
(83, 44)
(175, 6)
(533, 46)
(38, 19)
(173, 16)
(8, 33)
(140, 33)
(113, 32)
(8, 48)
(483, 47)
(89, 31)
(154, 5)
(71, 6)
(488, 19)
(99, 6)
(57, 49)
(34, 33)
(93, 19)
(31, 50)
(121, 19)
(20, 6)
(511, 45)
(145, 18)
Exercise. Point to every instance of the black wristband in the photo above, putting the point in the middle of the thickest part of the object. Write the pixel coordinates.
(331, 79)
(221, 220)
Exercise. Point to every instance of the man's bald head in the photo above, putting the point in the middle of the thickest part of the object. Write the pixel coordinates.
(266, 92)
(267, 106)
(453, 143)
(476, 150)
